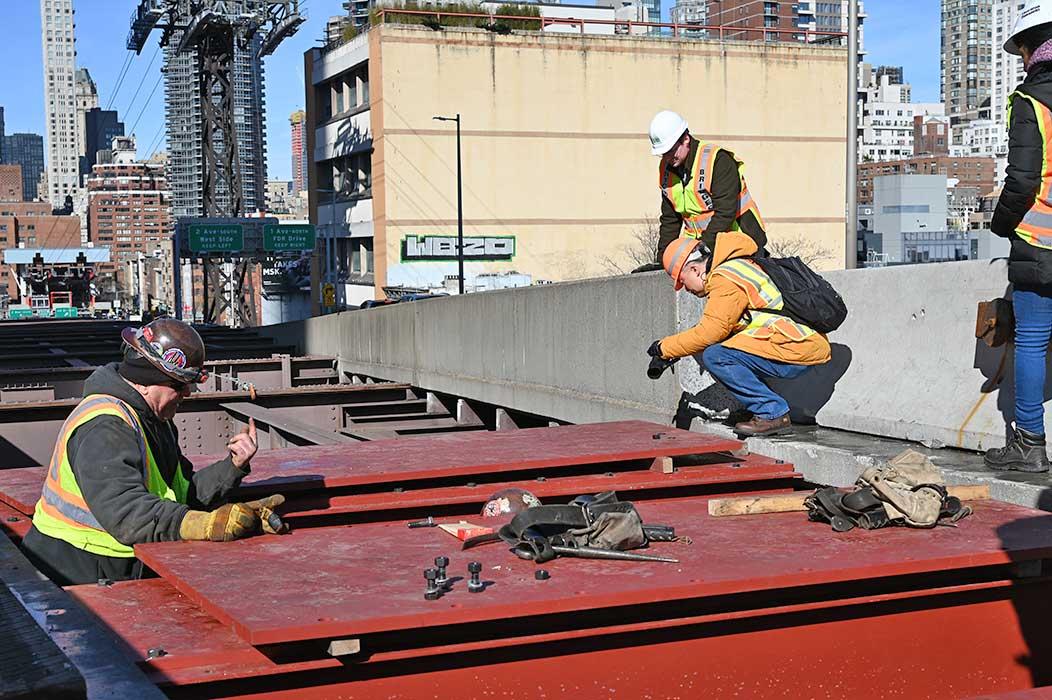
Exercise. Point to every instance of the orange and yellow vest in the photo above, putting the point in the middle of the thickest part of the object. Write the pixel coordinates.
(693, 202)
(751, 279)
(1036, 226)
(61, 511)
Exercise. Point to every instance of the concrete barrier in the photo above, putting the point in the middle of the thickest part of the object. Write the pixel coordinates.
(906, 363)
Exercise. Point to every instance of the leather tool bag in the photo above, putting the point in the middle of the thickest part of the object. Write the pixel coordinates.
(600, 521)
(995, 322)
(909, 490)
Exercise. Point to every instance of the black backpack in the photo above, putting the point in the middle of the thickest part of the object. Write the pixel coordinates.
(807, 298)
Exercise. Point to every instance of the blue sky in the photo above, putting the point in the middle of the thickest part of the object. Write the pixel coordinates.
(897, 32)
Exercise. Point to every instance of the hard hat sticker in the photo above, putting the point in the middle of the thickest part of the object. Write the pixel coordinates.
(174, 358)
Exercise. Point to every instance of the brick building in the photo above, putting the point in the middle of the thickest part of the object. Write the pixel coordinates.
(970, 172)
(128, 212)
(10, 183)
(31, 225)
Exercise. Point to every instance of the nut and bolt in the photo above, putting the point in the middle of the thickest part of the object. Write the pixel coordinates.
(432, 592)
(475, 584)
(441, 563)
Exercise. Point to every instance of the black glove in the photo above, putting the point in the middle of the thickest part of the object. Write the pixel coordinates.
(658, 364)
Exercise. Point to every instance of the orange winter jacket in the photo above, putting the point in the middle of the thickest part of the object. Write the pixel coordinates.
(725, 312)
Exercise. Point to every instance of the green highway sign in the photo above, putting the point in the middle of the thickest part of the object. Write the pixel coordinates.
(210, 238)
(288, 237)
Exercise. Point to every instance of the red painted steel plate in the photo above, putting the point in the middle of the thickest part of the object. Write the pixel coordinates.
(457, 454)
(20, 488)
(1031, 694)
(368, 578)
(466, 454)
(13, 523)
(151, 614)
(553, 489)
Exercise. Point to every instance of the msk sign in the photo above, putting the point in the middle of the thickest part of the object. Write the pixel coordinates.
(422, 248)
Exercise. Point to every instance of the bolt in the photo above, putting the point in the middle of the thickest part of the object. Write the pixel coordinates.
(475, 584)
(778, 461)
(656, 436)
(442, 563)
(471, 484)
(155, 653)
(105, 582)
(541, 575)
(398, 489)
(13, 519)
(432, 592)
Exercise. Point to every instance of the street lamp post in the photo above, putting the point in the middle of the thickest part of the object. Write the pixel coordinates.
(460, 205)
(330, 239)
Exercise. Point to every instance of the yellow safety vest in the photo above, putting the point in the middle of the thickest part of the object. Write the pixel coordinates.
(1036, 226)
(61, 511)
(750, 278)
(694, 203)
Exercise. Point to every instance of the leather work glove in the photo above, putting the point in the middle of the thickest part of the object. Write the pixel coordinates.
(230, 522)
(655, 349)
(271, 521)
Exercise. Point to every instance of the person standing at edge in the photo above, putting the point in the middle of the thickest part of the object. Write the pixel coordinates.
(117, 477)
(1024, 215)
(740, 345)
(703, 190)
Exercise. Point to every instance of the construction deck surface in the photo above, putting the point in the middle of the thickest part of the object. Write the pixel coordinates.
(368, 578)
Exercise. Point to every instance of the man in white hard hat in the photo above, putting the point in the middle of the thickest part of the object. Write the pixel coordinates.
(1024, 216)
(703, 190)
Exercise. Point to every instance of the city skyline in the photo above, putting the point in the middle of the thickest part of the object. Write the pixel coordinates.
(898, 32)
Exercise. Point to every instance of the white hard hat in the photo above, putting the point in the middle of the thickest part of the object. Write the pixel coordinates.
(665, 129)
(1035, 13)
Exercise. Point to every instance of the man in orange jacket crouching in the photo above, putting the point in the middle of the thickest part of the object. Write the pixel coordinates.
(742, 339)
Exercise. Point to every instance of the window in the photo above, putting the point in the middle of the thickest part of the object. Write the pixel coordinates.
(907, 209)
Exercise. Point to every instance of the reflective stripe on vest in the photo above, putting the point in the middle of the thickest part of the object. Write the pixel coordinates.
(62, 512)
(694, 203)
(762, 293)
(1036, 226)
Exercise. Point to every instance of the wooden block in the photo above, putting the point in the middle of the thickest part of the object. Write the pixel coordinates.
(662, 465)
(344, 647)
(973, 492)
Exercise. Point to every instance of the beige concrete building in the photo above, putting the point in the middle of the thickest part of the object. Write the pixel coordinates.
(558, 176)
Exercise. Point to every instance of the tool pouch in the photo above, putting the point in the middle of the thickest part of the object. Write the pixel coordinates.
(995, 322)
(599, 521)
(846, 511)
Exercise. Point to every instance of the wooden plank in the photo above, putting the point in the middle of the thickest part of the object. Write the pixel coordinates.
(755, 505)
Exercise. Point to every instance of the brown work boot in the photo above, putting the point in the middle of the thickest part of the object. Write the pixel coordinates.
(761, 426)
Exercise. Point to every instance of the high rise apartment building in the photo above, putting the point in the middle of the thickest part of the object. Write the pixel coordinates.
(87, 96)
(298, 122)
(690, 12)
(966, 55)
(358, 11)
(26, 150)
(183, 119)
(128, 211)
(60, 99)
(1007, 70)
(102, 126)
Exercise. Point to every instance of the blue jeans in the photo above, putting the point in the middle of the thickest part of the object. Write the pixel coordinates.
(741, 373)
(1033, 327)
